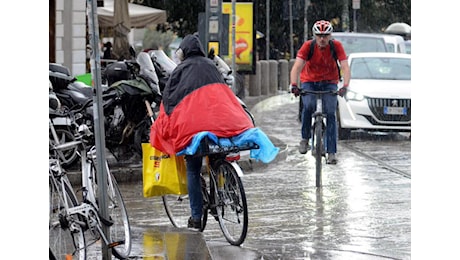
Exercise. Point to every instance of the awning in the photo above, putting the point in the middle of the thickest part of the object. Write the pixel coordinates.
(140, 16)
(398, 28)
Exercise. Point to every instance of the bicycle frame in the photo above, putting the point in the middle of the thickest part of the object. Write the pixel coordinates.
(85, 215)
(223, 192)
(318, 131)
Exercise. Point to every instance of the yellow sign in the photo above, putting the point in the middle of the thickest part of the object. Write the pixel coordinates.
(244, 33)
(214, 45)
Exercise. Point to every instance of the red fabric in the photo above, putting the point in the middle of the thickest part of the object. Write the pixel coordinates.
(212, 108)
(321, 66)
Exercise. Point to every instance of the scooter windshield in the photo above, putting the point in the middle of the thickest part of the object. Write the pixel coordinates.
(147, 69)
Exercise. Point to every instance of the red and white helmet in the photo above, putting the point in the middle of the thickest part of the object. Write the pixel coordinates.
(322, 27)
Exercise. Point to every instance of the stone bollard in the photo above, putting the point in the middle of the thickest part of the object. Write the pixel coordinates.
(273, 76)
(254, 82)
(284, 75)
(264, 71)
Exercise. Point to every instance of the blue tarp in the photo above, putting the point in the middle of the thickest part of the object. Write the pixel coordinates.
(266, 152)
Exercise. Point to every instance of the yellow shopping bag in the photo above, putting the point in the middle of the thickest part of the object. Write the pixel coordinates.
(162, 173)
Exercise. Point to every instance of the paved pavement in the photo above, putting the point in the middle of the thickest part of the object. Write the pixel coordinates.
(363, 211)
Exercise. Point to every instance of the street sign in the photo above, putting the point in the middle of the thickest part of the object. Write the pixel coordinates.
(356, 4)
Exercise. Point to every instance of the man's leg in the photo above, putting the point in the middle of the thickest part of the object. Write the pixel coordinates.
(193, 165)
(309, 104)
(330, 107)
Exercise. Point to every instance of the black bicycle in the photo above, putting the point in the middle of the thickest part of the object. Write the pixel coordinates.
(224, 197)
(318, 130)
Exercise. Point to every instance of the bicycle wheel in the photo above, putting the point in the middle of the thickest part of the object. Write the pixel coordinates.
(66, 238)
(120, 231)
(232, 210)
(318, 147)
(177, 208)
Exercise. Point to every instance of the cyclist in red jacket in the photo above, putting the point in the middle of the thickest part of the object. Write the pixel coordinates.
(319, 73)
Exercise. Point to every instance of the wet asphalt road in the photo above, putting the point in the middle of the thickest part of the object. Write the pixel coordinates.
(363, 210)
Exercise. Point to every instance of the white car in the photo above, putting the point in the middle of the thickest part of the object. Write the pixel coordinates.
(379, 94)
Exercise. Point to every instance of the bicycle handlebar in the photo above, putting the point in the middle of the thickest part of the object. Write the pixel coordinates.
(314, 92)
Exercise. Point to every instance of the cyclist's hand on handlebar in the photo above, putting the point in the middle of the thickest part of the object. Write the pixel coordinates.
(295, 90)
(342, 91)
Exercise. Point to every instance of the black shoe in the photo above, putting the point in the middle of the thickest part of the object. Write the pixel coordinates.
(194, 224)
(331, 158)
(303, 146)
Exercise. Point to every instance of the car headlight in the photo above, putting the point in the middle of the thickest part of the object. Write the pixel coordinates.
(351, 95)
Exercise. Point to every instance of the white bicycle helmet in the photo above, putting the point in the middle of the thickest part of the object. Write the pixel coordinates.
(322, 27)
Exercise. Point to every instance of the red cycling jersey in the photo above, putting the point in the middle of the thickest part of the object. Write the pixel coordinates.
(321, 66)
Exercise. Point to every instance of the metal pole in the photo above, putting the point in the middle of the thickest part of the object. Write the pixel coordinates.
(233, 43)
(305, 20)
(98, 120)
(291, 38)
(267, 33)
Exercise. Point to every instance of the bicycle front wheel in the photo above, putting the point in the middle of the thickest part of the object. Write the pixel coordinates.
(318, 146)
(66, 238)
(120, 232)
(232, 209)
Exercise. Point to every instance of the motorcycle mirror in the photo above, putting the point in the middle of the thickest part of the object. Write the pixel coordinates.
(211, 53)
(132, 51)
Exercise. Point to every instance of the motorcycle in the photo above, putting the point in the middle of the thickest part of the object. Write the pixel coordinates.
(127, 111)
(132, 91)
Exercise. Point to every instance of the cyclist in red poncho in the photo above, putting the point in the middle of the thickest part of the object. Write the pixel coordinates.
(196, 99)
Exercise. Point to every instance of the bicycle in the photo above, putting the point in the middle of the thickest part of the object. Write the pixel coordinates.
(223, 193)
(74, 225)
(317, 131)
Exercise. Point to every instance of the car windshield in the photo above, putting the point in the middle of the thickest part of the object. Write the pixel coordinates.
(353, 44)
(381, 68)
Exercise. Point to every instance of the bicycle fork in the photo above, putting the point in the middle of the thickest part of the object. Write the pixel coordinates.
(318, 119)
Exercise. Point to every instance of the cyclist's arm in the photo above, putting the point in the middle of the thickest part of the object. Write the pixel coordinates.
(346, 72)
(296, 68)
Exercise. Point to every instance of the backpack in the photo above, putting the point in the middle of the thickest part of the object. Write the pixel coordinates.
(334, 54)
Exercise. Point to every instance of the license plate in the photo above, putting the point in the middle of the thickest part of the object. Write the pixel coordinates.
(395, 110)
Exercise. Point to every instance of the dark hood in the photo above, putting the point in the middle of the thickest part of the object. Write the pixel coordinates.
(191, 46)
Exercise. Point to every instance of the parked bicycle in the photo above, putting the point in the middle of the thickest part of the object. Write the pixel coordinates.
(318, 131)
(224, 197)
(75, 225)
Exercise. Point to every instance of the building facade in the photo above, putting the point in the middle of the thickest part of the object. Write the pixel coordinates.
(68, 34)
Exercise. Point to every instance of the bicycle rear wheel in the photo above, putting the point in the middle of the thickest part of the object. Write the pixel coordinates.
(66, 238)
(232, 209)
(177, 208)
(318, 147)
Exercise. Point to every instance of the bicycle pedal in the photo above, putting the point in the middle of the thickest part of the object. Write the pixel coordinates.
(116, 243)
